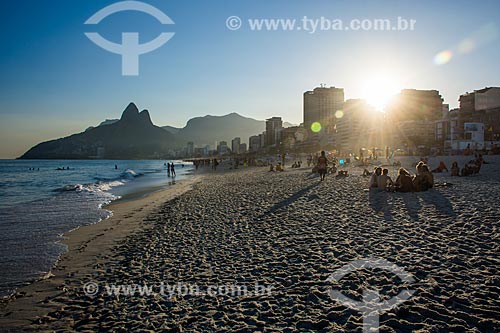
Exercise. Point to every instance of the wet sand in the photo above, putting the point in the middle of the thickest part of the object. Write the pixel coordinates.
(289, 232)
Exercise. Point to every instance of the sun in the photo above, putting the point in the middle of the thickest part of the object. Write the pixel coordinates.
(379, 89)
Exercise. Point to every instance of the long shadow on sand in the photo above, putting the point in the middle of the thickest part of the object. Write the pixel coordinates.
(412, 204)
(291, 198)
(435, 198)
(379, 202)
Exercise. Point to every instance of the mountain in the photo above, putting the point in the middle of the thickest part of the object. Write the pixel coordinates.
(208, 129)
(132, 137)
(171, 129)
(104, 123)
(108, 122)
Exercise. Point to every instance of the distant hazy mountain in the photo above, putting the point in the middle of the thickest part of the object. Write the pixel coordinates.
(108, 122)
(208, 129)
(104, 123)
(286, 124)
(133, 136)
(171, 129)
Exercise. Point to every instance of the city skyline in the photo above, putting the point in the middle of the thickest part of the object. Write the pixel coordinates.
(56, 82)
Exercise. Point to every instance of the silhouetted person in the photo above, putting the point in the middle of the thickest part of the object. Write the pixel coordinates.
(404, 183)
(322, 165)
(455, 170)
(374, 177)
(172, 169)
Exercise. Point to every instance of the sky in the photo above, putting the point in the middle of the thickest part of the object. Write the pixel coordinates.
(55, 82)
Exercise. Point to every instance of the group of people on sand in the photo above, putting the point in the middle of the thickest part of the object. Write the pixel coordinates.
(423, 180)
(278, 167)
(470, 168)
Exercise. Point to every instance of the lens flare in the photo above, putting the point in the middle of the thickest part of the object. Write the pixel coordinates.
(339, 114)
(316, 127)
(443, 57)
(466, 46)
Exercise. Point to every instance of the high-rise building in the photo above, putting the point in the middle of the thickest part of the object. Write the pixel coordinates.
(273, 128)
(292, 136)
(480, 106)
(243, 148)
(413, 104)
(320, 106)
(190, 148)
(359, 126)
(412, 115)
(235, 145)
(254, 143)
(222, 147)
(263, 140)
(442, 131)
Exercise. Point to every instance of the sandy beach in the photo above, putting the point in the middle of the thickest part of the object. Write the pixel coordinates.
(281, 235)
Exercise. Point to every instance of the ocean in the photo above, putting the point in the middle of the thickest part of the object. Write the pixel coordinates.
(39, 202)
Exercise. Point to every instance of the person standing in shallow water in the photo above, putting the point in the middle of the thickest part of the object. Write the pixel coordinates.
(168, 169)
(322, 165)
(172, 169)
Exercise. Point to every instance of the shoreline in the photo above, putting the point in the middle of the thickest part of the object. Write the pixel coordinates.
(85, 246)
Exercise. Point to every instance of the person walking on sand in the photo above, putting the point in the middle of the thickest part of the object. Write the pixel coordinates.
(322, 165)
(172, 169)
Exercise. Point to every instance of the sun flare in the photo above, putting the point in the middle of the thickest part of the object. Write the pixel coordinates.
(378, 90)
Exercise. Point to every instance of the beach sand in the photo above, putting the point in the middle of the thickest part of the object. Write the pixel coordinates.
(287, 232)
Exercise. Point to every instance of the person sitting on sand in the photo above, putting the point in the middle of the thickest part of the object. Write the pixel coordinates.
(466, 171)
(279, 167)
(366, 173)
(374, 177)
(424, 179)
(441, 168)
(419, 166)
(428, 175)
(384, 180)
(404, 183)
(455, 170)
(271, 168)
(309, 160)
(322, 165)
(342, 174)
(471, 168)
